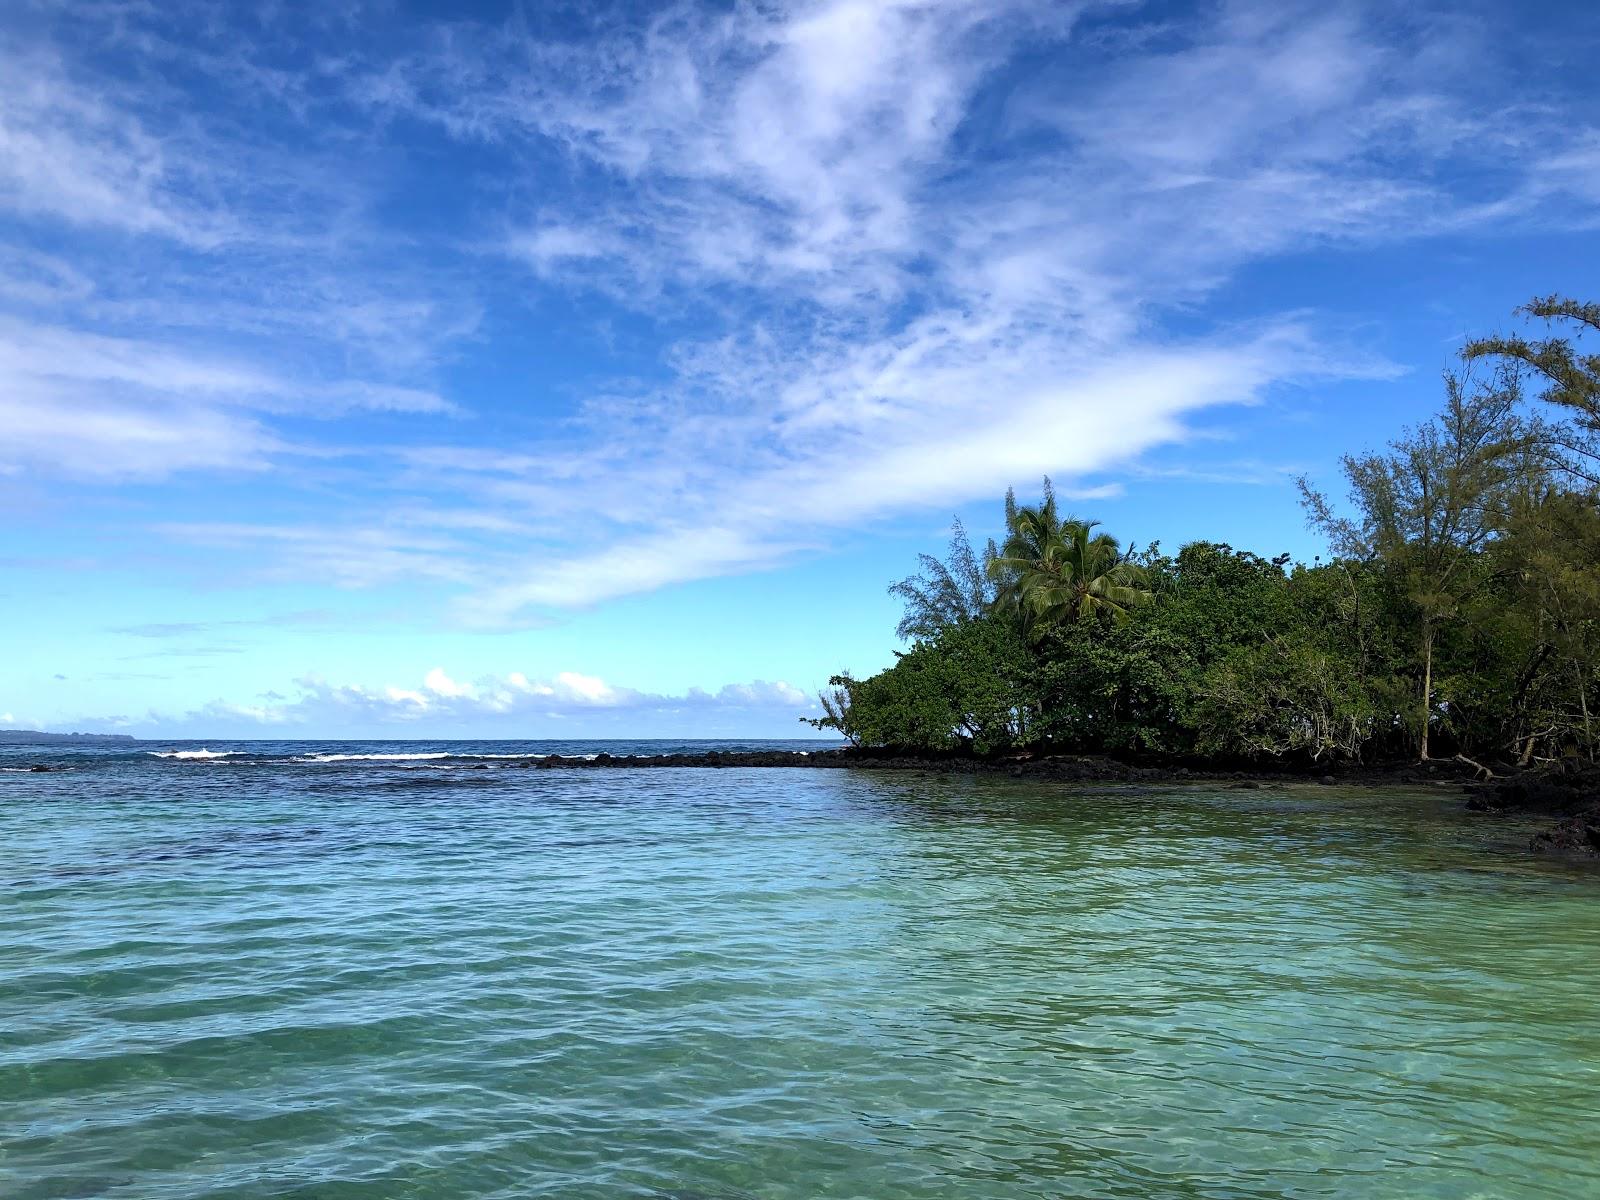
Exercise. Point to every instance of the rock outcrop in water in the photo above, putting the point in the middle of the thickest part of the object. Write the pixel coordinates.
(1578, 835)
(1066, 768)
(1062, 767)
(1571, 793)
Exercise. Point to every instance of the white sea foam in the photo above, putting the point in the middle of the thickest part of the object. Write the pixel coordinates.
(327, 758)
(430, 756)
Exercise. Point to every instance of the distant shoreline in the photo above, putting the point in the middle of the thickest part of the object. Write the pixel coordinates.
(37, 737)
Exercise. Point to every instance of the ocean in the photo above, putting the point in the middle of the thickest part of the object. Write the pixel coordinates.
(331, 970)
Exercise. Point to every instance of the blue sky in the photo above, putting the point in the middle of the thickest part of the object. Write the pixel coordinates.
(548, 370)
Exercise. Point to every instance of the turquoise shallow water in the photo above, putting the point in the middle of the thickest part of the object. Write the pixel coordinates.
(410, 978)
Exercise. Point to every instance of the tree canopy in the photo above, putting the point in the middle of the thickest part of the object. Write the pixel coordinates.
(1459, 612)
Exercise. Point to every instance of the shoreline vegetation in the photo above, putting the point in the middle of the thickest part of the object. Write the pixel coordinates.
(1454, 631)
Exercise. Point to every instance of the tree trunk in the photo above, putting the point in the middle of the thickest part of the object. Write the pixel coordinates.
(1427, 683)
(1521, 745)
(1583, 702)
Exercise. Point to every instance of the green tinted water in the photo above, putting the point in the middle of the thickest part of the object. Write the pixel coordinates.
(720, 984)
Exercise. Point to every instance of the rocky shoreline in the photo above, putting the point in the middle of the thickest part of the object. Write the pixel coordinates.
(1072, 768)
(1572, 796)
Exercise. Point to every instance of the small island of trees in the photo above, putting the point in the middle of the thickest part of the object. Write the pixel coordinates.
(1457, 617)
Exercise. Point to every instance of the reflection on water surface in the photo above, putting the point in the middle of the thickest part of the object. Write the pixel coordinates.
(361, 980)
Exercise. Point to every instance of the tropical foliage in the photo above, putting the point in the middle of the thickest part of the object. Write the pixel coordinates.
(1053, 570)
(1459, 613)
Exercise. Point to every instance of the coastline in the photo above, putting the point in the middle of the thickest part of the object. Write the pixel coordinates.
(1572, 797)
(1086, 768)
(1569, 796)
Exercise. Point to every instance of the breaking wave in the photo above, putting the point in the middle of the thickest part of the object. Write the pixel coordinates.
(439, 758)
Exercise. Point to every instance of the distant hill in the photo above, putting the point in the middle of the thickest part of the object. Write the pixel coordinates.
(35, 737)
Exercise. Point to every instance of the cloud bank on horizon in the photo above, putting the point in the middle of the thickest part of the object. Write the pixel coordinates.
(441, 705)
(515, 316)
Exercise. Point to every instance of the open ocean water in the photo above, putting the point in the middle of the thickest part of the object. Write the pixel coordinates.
(374, 970)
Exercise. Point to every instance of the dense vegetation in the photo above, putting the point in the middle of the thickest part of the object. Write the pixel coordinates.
(1458, 615)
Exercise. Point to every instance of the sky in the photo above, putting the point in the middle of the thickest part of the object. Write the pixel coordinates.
(546, 370)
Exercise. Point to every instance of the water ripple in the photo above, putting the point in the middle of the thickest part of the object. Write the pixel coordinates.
(360, 978)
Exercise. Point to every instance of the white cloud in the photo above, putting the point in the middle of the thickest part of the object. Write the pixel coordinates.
(86, 439)
(251, 714)
(30, 350)
(504, 702)
(552, 245)
(762, 693)
(338, 555)
(441, 684)
(93, 405)
(30, 277)
(896, 428)
(942, 282)
(910, 273)
(198, 270)
(68, 154)
(596, 691)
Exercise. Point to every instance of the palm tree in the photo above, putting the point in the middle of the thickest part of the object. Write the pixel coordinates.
(1053, 569)
(1033, 540)
(1103, 582)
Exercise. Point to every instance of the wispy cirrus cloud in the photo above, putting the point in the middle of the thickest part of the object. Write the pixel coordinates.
(201, 281)
(69, 154)
(112, 407)
(881, 257)
(932, 276)
(304, 618)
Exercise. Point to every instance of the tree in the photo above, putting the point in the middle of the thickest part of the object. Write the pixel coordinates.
(946, 593)
(1571, 377)
(1546, 560)
(1459, 614)
(971, 686)
(1554, 542)
(1053, 569)
(1428, 506)
(1290, 696)
(1031, 531)
(835, 701)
